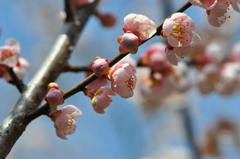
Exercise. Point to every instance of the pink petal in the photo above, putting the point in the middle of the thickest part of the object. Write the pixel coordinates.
(62, 123)
(212, 20)
(235, 5)
(146, 31)
(182, 51)
(168, 26)
(71, 111)
(61, 135)
(71, 127)
(208, 4)
(173, 42)
(121, 89)
(171, 57)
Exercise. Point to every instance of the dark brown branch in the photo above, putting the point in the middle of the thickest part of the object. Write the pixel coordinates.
(71, 68)
(16, 122)
(79, 87)
(68, 11)
(15, 81)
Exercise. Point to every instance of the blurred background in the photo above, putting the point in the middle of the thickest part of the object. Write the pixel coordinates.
(129, 129)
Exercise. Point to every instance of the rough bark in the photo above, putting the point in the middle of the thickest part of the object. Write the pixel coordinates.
(15, 123)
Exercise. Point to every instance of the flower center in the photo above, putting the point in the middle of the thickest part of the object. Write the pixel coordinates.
(130, 83)
(6, 54)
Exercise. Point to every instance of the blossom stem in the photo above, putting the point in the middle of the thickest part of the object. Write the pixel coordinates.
(80, 86)
(71, 68)
(15, 81)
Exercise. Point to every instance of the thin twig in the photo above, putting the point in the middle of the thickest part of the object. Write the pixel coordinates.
(68, 11)
(80, 87)
(15, 81)
(189, 131)
(71, 68)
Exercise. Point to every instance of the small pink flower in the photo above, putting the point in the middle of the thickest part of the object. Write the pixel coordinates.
(99, 66)
(102, 99)
(213, 53)
(65, 123)
(10, 53)
(219, 13)
(235, 53)
(207, 79)
(19, 69)
(128, 43)
(178, 30)
(156, 91)
(228, 78)
(123, 79)
(206, 4)
(155, 57)
(140, 25)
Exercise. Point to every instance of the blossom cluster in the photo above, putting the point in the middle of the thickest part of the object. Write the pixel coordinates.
(123, 81)
(214, 73)
(162, 78)
(137, 28)
(178, 30)
(65, 118)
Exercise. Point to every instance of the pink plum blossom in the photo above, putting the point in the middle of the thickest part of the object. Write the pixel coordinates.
(10, 57)
(123, 79)
(219, 13)
(99, 66)
(155, 57)
(235, 53)
(207, 79)
(155, 91)
(213, 53)
(10, 53)
(228, 79)
(206, 4)
(19, 69)
(182, 81)
(178, 29)
(102, 99)
(65, 122)
(128, 43)
(140, 25)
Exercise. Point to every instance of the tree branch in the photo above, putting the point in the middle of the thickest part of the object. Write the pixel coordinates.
(71, 68)
(68, 11)
(16, 122)
(15, 81)
(80, 87)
